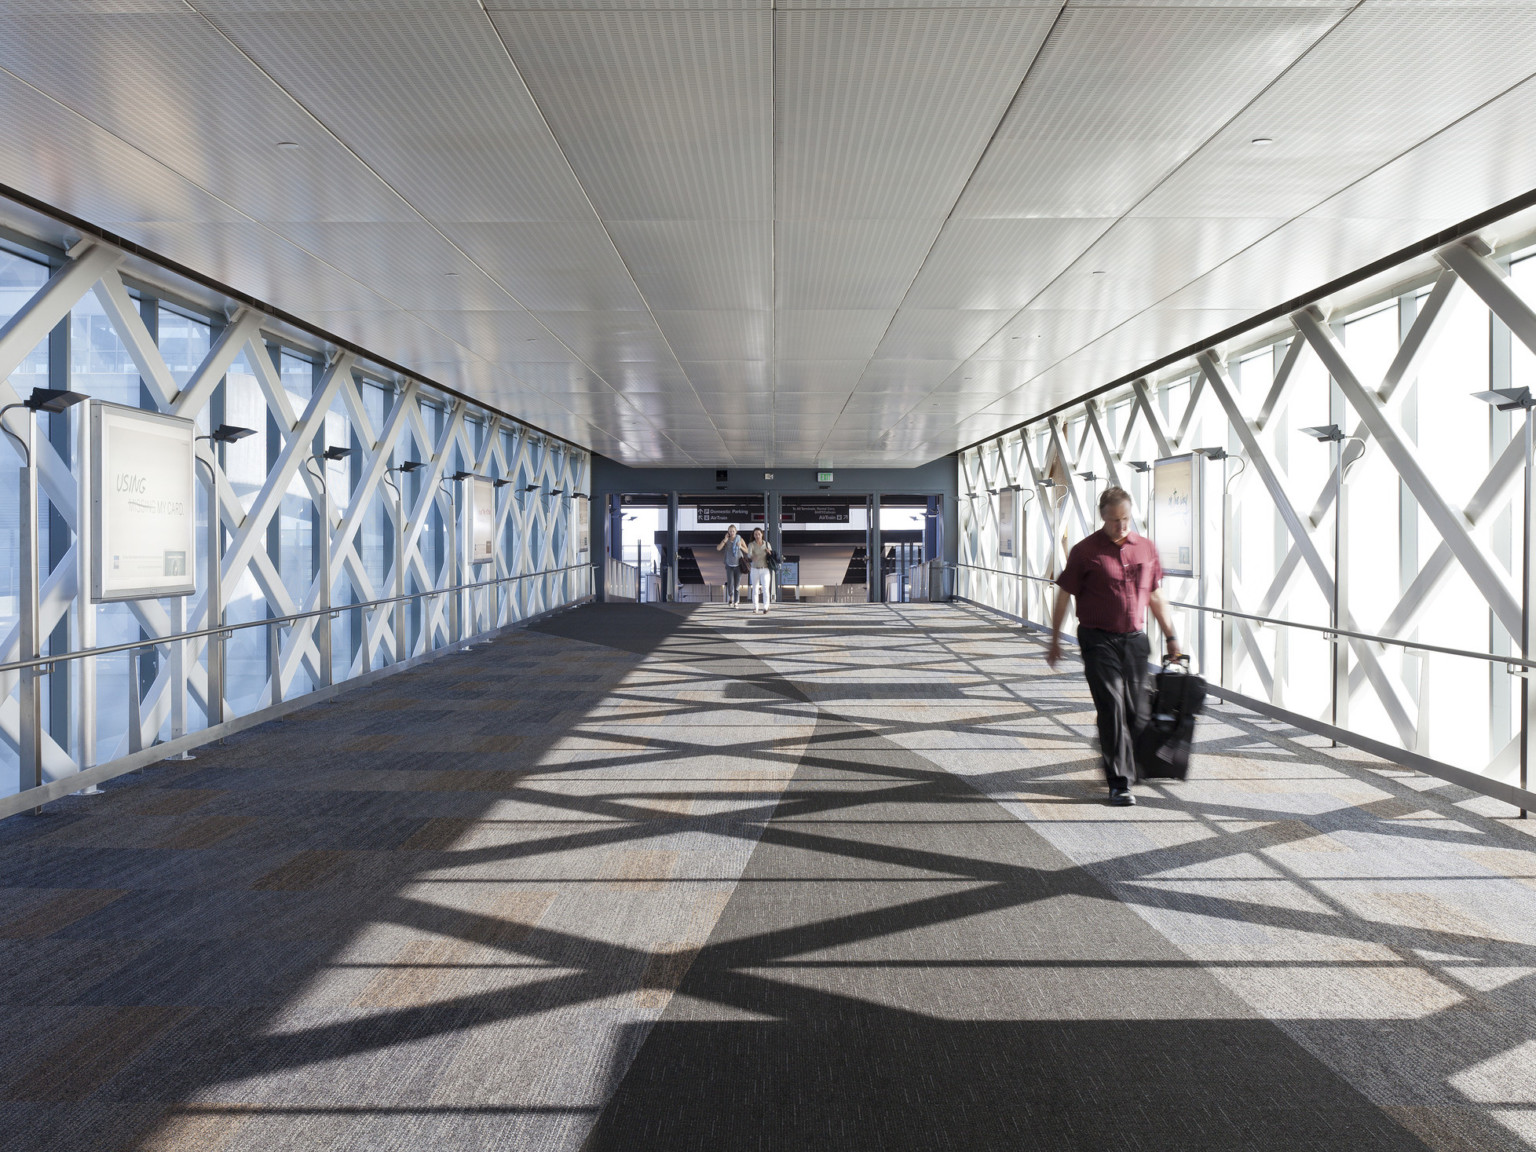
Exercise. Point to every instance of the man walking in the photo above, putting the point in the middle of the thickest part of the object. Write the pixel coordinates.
(731, 545)
(1116, 577)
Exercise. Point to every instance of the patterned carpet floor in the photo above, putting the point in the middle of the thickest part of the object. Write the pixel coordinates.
(840, 877)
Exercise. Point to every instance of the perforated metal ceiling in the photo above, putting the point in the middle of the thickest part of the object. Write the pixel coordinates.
(844, 232)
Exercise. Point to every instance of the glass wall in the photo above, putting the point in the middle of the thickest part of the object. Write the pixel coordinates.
(291, 403)
(1428, 550)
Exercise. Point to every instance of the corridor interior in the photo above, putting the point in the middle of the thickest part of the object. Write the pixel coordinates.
(842, 877)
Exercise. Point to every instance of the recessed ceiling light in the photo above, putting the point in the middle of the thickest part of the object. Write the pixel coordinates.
(288, 144)
(450, 273)
(1098, 272)
(1262, 141)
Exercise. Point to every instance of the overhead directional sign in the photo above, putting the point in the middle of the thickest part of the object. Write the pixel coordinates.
(794, 513)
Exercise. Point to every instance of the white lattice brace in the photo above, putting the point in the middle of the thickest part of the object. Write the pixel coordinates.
(244, 330)
(1421, 337)
(1068, 467)
(1452, 525)
(1392, 699)
(1282, 377)
(1047, 508)
(54, 476)
(1491, 285)
(1488, 497)
(1196, 387)
(1111, 459)
(52, 302)
(129, 325)
(250, 537)
(1144, 402)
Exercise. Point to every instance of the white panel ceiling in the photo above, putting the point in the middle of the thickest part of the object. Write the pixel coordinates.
(744, 232)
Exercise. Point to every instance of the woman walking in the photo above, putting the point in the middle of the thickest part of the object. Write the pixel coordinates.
(758, 552)
(732, 545)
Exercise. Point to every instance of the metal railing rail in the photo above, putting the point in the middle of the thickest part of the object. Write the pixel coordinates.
(1344, 633)
(223, 631)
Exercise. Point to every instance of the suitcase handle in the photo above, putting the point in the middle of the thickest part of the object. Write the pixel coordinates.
(1182, 659)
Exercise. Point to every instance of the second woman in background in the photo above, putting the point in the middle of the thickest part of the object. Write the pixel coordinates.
(758, 552)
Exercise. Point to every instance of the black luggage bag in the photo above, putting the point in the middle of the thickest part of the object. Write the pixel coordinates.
(1162, 749)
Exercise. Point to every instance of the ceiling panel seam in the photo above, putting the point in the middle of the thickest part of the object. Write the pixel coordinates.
(496, 31)
(1168, 175)
(233, 43)
(938, 232)
(1448, 126)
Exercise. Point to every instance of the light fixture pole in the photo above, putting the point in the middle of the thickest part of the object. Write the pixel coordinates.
(1227, 639)
(458, 539)
(29, 608)
(498, 590)
(1338, 708)
(323, 546)
(1507, 400)
(405, 468)
(223, 434)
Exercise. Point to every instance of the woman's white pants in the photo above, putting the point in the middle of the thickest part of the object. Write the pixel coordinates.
(762, 582)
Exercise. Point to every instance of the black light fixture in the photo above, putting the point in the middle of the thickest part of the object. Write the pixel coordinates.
(1088, 476)
(501, 483)
(1325, 432)
(556, 491)
(229, 433)
(1212, 453)
(336, 453)
(52, 399)
(1140, 465)
(409, 466)
(461, 475)
(1507, 399)
(531, 488)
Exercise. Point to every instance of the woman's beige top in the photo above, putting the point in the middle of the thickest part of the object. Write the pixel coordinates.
(758, 553)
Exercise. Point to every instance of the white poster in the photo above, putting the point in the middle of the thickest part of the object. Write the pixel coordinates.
(1005, 522)
(584, 528)
(144, 504)
(1176, 514)
(482, 520)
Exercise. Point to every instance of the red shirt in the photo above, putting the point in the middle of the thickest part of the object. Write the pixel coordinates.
(1112, 582)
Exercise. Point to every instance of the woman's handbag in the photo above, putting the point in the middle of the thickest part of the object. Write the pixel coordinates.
(744, 566)
(773, 561)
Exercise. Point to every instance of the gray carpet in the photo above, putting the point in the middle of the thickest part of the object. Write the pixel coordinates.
(838, 877)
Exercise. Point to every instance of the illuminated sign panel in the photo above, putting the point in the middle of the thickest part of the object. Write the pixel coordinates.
(1176, 513)
(144, 504)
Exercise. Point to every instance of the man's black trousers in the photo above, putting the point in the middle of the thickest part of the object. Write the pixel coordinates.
(1116, 666)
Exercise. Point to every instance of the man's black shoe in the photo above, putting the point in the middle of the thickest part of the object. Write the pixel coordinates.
(1121, 798)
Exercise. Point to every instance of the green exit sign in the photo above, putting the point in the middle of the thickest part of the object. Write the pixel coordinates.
(823, 477)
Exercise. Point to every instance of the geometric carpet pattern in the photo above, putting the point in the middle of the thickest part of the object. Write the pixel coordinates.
(653, 877)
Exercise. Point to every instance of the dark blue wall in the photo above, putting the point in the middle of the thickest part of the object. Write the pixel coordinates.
(939, 477)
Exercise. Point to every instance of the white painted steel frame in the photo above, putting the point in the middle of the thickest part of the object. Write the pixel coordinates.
(1020, 586)
(542, 536)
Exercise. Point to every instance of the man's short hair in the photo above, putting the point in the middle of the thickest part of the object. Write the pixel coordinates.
(1112, 496)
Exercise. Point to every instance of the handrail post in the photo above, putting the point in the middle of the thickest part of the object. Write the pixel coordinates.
(135, 705)
(323, 545)
(214, 599)
(275, 661)
(30, 720)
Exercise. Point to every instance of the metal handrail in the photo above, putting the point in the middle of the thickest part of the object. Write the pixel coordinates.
(1489, 657)
(1000, 572)
(268, 621)
(1368, 637)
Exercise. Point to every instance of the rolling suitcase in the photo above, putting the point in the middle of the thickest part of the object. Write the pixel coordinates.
(1162, 749)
